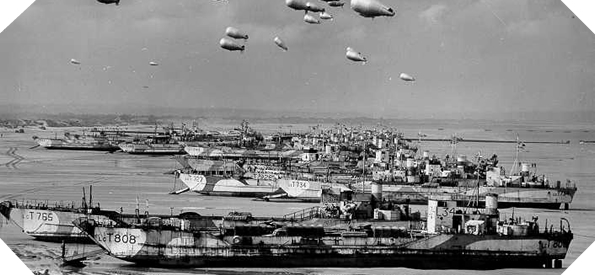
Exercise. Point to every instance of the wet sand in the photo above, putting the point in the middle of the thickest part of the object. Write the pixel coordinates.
(118, 179)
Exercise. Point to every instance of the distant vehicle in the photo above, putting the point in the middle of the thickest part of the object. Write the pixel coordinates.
(153, 63)
(75, 62)
(107, 2)
(371, 8)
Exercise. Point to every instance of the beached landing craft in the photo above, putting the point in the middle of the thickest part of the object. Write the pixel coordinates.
(267, 182)
(463, 181)
(237, 153)
(154, 145)
(525, 191)
(255, 181)
(151, 149)
(474, 240)
(269, 187)
(220, 185)
(76, 142)
(48, 222)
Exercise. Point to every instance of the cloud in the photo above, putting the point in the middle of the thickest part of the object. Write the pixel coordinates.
(433, 14)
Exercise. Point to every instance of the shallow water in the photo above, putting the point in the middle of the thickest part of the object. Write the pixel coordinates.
(118, 179)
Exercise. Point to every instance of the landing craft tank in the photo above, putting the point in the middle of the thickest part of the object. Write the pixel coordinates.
(280, 43)
(268, 182)
(231, 153)
(53, 221)
(49, 223)
(151, 148)
(235, 33)
(474, 240)
(230, 45)
(217, 184)
(72, 142)
(371, 8)
(311, 19)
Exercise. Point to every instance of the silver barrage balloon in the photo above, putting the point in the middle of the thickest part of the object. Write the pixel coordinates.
(326, 16)
(230, 45)
(235, 33)
(354, 55)
(406, 77)
(311, 19)
(107, 2)
(371, 8)
(280, 43)
(297, 4)
(336, 4)
(313, 7)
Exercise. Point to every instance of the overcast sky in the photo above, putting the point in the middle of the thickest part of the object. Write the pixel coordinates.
(468, 56)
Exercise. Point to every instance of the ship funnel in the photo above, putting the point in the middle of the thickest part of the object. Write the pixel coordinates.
(5, 208)
(492, 204)
(525, 167)
(376, 191)
(410, 163)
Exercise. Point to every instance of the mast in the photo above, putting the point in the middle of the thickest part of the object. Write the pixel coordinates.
(453, 144)
(91, 196)
(84, 204)
(364, 167)
(516, 155)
